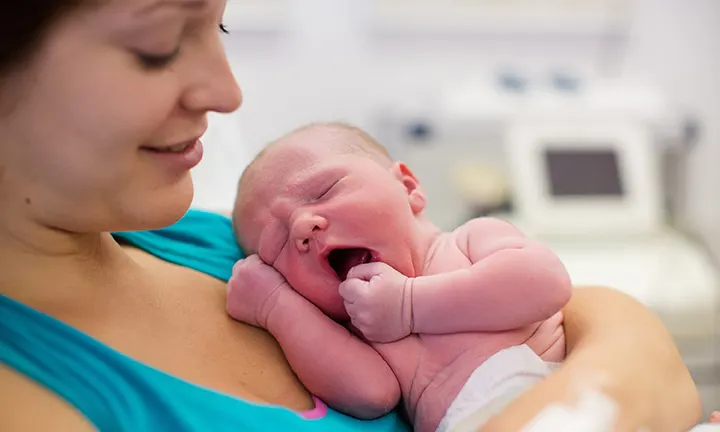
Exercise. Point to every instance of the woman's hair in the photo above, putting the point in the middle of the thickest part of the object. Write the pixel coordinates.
(24, 25)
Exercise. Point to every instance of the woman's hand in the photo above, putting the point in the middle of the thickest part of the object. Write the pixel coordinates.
(618, 347)
(253, 291)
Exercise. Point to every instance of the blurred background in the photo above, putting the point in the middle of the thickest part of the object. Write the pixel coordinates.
(594, 125)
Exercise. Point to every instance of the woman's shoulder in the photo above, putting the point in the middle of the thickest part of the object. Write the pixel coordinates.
(201, 240)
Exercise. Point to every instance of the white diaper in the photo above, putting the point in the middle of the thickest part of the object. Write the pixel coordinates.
(493, 385)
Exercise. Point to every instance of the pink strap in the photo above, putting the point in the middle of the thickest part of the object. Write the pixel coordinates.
(318, 412)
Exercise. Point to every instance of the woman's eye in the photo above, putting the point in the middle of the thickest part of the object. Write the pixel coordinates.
(157, 61)
(160, 61)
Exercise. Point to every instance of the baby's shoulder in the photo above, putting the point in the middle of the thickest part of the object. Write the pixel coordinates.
(485, 228)
(486, 224)
(446, 253)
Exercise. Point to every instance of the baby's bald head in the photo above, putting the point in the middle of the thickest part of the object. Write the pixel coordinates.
(325, 139)
(335, 138)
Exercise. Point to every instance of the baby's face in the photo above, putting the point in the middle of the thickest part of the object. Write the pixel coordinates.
(314, 213)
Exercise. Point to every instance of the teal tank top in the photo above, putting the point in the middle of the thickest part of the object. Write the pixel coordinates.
(117, 393)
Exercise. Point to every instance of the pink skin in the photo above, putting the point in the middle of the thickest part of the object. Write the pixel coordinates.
(715, 417)
(433, 306)
(331, 201)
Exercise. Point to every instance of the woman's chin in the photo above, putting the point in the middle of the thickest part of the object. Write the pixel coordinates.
(161, 208)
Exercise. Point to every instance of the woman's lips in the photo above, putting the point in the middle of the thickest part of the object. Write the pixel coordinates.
(183, 156)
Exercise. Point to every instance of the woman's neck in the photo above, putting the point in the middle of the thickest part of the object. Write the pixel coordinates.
(36, 260)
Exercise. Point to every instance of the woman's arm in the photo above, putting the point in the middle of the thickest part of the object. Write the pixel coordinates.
(617, 346)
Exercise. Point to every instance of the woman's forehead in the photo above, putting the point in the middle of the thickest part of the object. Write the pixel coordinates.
(146, 9)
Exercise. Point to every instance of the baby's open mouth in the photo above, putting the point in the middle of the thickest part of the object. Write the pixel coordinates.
(342, 260)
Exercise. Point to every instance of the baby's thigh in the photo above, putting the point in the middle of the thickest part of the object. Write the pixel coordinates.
(548, 340)
(556, 353)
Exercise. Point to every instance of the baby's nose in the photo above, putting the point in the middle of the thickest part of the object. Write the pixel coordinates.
(305, 228)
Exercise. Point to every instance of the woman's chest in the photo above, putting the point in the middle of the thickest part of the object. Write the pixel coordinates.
(175, 320)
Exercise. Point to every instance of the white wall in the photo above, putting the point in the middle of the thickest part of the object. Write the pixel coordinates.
(327, 65)
(677, 45)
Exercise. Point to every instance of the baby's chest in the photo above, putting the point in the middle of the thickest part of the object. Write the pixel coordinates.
(439, 351)
(421, 359)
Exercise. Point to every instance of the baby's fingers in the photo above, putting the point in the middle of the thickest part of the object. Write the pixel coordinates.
(353, 290)
(368, 271)
(715, 417)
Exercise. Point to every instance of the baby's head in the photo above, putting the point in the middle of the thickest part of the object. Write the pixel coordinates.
(323, 199)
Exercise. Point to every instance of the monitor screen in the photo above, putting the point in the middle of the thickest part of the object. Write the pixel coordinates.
(583, 172)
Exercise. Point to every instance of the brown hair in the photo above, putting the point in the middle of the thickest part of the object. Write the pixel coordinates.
(24, 25)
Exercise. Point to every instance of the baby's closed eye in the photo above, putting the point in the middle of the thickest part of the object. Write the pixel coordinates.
(326, 190)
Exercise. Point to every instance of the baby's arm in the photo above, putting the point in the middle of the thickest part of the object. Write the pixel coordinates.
(334, 365)
(512, 282)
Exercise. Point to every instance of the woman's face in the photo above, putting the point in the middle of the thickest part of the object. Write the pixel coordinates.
(88, 129)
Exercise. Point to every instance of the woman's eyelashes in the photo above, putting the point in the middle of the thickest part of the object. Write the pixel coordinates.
(152, 61)
(157, 61)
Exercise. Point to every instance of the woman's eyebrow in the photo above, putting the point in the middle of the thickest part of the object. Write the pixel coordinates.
(185, 4)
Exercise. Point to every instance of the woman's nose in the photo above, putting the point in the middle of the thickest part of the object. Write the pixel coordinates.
(305, 226)
(212, 85)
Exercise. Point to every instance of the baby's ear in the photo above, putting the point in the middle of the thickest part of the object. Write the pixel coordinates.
(416, 195)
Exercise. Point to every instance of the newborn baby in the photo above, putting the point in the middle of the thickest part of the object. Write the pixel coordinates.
(372, 303)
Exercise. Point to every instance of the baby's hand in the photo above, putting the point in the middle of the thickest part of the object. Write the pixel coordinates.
(378, 300)
(715, 417)
(253, 290)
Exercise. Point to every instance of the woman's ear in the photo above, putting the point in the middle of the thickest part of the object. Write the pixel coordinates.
(416, 195)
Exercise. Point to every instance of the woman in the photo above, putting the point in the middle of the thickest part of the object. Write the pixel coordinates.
(101, 105)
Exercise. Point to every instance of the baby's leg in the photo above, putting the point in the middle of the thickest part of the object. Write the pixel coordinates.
(715, 417)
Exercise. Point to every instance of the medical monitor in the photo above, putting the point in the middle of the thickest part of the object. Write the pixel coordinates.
(585, 176)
